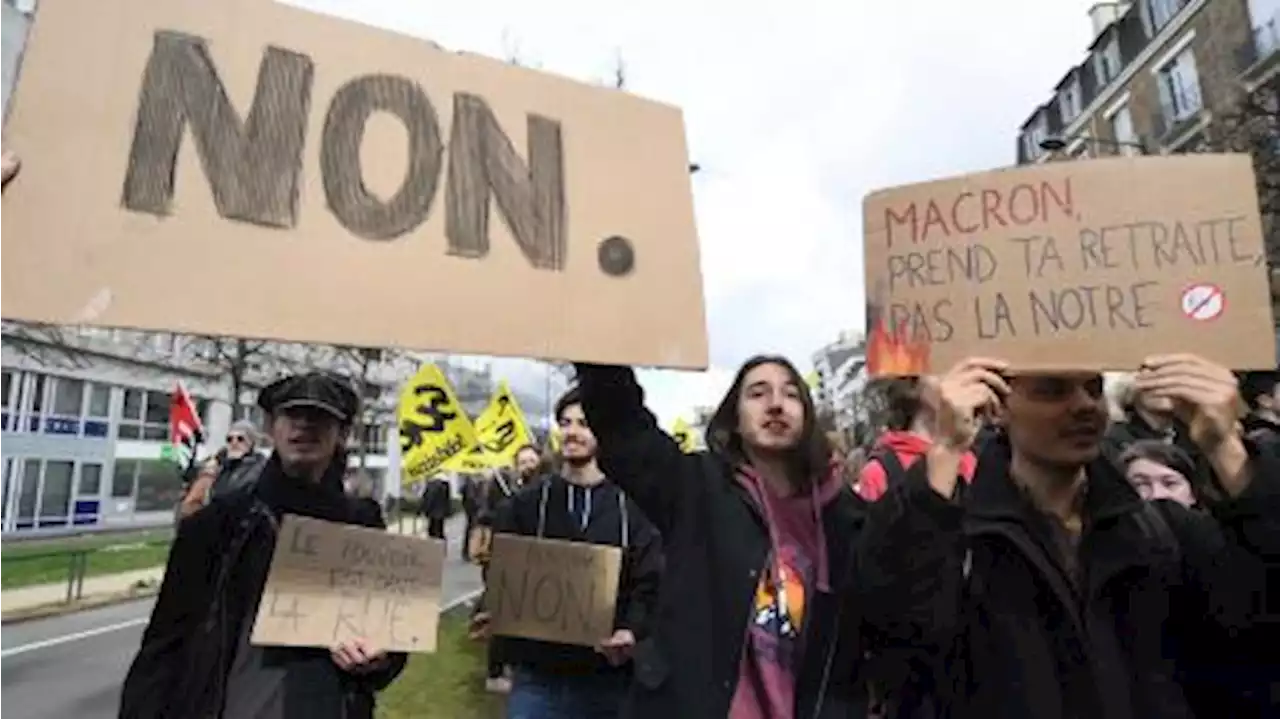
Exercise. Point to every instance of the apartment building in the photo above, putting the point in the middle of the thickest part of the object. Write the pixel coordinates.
(1156, 75)
(842, 380)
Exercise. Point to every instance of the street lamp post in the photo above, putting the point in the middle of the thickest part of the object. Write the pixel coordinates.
(1054, 143)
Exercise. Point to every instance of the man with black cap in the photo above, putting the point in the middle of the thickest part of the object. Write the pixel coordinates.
(196, 659)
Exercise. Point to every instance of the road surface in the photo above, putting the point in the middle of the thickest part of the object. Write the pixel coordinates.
(72, 666)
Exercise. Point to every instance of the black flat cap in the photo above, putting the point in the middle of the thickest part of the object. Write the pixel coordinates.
(320, 390)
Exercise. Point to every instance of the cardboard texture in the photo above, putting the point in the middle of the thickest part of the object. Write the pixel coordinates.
(552, 590)
(247, 168)
(1089, 265)
(330, 582)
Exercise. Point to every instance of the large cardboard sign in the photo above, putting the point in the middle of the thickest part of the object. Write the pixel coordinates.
(552, 590)
(331, 582)
(1089, 265)
(247, 168)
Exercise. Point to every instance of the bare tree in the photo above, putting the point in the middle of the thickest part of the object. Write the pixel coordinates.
(47, 345)
(1251, 124)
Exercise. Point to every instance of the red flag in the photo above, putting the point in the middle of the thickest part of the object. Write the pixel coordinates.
(185, 428)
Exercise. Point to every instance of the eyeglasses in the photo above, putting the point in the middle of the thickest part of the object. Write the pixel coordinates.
(236, 438)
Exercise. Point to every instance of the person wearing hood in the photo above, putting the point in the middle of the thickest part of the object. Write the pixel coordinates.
(196, 659)
(1048, 588)
(906, 440)
(754, 615)
(579, 503)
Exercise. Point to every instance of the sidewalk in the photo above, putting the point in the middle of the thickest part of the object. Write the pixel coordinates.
(14, 602)
(20, 600)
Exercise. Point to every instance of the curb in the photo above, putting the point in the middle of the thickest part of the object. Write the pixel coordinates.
(58, 609)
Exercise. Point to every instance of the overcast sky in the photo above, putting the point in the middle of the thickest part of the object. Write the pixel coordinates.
(795, 111)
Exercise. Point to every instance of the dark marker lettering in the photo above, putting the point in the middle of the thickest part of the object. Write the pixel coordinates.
(359, 210)
(544, 611)
(483, 161)
(252, 166)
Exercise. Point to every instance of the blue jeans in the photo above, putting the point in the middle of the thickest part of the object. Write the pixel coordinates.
(542, 696)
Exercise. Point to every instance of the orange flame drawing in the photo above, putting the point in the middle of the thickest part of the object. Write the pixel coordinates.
(891, 353)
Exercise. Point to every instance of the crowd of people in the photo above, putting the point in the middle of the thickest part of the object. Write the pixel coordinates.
(1005, 551)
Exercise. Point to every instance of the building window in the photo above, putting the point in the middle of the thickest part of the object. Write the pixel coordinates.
(1036, 134)
(1157, 13)
(1069, 101)
(55, 495)
(374, 439)
(1122, 132)
(1106, 63)
(159, 486)
(1179, 88)
(90, 480)
(144, 415)
(10, 389)
(122, 476)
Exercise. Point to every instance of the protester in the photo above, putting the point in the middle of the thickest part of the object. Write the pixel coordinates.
(906, 440)
(1049, 588)
(1159, 471)
(580, 504)
(1261, 392)
(436, 505)
(196, 659)
(753, 616)
(239, 462)
(1153, 418)
(472, 491)
(196, 494)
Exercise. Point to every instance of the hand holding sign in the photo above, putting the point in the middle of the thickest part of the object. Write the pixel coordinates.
(958, 396)
(9, 168)
(1204, 395)
(357, 655)
(617, 648)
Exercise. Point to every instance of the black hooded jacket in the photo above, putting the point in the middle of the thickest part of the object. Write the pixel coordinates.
(716, 543)
(215, 575)
(553, 509)
(1163, 615)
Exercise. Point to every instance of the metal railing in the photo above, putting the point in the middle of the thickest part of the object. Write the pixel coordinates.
(77, 560)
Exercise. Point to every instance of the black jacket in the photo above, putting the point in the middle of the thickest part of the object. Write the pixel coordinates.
(216, 571)
(551, 509)
(975, 590)
(716, 545)
(437, 500)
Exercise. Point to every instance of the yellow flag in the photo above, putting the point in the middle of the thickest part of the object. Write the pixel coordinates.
(813, 380)
(554, 438)
(501, 430)
(684, 436)
(433, 426)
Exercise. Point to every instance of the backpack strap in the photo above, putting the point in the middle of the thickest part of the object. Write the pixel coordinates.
(894, 472)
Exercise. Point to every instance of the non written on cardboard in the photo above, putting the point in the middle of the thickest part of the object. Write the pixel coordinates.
(465, 200)
(1072, 265)
(332, 582)
(552, 590)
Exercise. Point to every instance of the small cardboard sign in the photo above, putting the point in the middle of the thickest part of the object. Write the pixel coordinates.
(331, 582)
(334, 183)
(552, 590)
(1088, 265)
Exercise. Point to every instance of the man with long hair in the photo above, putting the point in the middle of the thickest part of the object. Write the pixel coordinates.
(753, 619)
